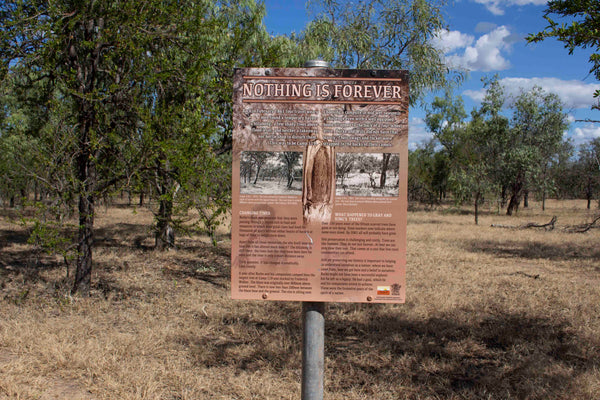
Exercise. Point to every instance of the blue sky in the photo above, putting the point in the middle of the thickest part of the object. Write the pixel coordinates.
(486, 37)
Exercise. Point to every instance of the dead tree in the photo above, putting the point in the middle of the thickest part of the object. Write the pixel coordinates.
(318, 179)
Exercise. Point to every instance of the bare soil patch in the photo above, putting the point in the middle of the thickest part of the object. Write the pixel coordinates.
(490, 314)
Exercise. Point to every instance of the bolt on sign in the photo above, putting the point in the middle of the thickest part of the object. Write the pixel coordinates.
(320, 161)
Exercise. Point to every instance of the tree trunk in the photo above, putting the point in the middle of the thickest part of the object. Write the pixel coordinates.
(85, 66)
(384, 167)
(544, 200)
(513, 204)
(477, 209)
(588, 192)
(141, 198)
(83, 273)
(87, 179)
(526, 199)
(257, 172)
(503, 196)
(515, 198)
(164, 238)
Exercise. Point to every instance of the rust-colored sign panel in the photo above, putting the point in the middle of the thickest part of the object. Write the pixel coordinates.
(319, 185)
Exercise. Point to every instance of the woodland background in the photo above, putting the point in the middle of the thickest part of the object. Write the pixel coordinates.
(115, 145)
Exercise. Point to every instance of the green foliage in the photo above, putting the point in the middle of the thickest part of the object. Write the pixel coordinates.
(581, 29)
(466, 146)
(588, 169)
(187, 112)
(385, 34)
(535, 138)
(214, 201)
(446, 116)
(491, 154)
(427, 174)
(49, 234)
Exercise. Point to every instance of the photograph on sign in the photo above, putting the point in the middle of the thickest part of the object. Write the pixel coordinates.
(319, 185)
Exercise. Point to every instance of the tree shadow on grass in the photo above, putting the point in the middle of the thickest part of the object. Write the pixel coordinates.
(209, 267)
(132, 236)
(535, 250)
(114, 290)
(8, 237)
(498, 357)
(122, 235)
(504, 356)
(27, 263)
(250, 343)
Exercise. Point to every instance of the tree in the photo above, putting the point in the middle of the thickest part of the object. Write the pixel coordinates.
(385, 34)
(24, 112)
(535, 138)
(492, 151)
(86, 50)
(344, 162)
(445, 120)
(559, 173)
(471, 169)
(589, 169)
(186, 108)
(446, 116)
(580, 30)
(425, 167)
(466, 149)
(290, 161)
(258, 160)
(139, 91)
(385, 163)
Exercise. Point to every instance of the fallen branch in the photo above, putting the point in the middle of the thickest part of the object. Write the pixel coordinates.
(549, 226)
(536, 276)
(582, 228)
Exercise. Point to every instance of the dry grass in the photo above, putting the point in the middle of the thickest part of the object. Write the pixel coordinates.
(490, 314)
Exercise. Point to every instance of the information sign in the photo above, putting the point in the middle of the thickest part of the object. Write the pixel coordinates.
(319, 185)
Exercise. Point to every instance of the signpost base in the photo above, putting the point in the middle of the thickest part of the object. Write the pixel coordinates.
(313, 350)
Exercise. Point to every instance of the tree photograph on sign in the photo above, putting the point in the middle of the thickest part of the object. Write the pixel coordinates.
(367, 174)
(271, 172)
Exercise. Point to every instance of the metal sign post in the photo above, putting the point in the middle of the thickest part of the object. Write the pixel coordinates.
(313, 328)
(313, 350)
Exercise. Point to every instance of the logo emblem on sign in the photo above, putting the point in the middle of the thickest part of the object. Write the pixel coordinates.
(383, 290)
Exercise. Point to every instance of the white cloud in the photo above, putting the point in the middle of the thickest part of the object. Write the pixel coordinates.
(486, 54)
(449, 41)
(587, 132)
(417, 133)
(496, 7)
(476, 95)
(575, 94)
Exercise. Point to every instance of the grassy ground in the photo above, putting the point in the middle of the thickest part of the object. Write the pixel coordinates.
(491, 313)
